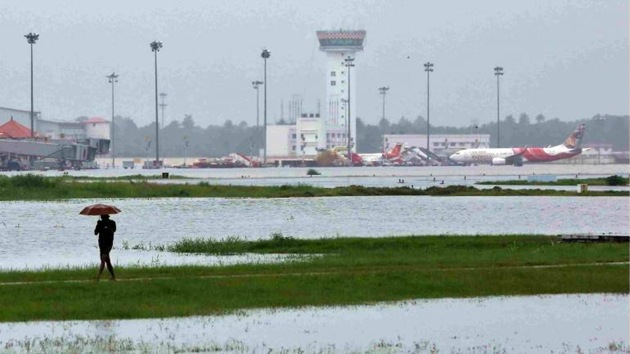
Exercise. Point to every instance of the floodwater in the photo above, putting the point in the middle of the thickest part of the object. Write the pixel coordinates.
(53, 234)
(366, 176)
(34, 235)
(586, 323)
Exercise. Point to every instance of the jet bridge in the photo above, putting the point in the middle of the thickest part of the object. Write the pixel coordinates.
(60, 150)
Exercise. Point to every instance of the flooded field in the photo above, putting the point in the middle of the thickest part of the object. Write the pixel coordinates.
(593, 323)
(35, 235)
(367, 176)
(53, 234)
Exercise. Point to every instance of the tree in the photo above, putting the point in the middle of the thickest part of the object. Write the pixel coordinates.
(523, 119)
(188, 123)
(540, 118)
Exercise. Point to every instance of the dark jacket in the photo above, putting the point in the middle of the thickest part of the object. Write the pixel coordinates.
(105, 230)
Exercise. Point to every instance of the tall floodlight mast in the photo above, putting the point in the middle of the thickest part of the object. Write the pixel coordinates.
(113, 78)
(32, 39)
(155, 48)
(498, 71)
(265, 55)
(428, 67)
(383, 90)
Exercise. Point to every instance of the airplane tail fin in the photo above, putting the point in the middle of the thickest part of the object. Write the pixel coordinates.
(574, 140)
(395, 151)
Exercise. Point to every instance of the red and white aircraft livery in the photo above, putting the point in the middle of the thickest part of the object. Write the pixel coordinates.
(516, 156)
(392, 155)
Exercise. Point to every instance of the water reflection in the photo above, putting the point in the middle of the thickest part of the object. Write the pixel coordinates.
(527, 324)
(36, 234)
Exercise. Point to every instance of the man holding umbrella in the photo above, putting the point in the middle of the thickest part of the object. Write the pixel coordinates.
(105, 229)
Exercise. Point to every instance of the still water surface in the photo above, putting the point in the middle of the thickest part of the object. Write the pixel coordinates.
(53, 234)
(590, 323)
(418, 177)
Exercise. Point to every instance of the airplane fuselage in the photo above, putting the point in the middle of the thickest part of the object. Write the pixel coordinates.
(502, 156)
(482, 155)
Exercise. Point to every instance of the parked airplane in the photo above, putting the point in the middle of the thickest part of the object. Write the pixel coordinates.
(516, 156)
(391, 156)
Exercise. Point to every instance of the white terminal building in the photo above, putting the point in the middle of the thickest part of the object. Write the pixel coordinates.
(313, 132)
(440, 144)
(89, 128)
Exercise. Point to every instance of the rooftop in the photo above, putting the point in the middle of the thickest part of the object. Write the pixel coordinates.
(341, 40)
(95, 120)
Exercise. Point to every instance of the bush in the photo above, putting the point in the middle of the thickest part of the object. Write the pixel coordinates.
(312, 172)
(31, 181)
(615, 180)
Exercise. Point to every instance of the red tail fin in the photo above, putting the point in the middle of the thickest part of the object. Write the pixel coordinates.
(575, 139)
(394, 152)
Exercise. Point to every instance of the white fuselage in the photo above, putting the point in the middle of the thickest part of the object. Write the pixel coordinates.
(482, 155)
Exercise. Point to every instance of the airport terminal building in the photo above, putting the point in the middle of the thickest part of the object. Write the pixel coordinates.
(439, 144)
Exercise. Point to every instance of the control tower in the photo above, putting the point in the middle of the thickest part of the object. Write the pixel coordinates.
(338, 45)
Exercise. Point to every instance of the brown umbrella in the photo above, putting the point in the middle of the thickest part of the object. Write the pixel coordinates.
(99, 209)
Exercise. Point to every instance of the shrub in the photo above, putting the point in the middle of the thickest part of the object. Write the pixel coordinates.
(312, 172)
(31, 181)
(615, 180)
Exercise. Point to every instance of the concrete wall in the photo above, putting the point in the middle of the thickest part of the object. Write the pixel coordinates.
(281, 140)
(98, 130)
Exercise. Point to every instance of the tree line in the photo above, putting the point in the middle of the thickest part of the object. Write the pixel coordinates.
(186, 138)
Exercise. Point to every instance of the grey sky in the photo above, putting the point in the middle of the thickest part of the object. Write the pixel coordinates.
(565, 59)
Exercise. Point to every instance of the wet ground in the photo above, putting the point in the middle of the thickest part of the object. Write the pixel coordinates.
(53, 234)
(593, 323)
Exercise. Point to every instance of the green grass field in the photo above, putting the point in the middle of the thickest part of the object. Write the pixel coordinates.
(608, 181)
(33, 187)
(339, 271)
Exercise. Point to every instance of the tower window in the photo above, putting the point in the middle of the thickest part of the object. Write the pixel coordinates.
(332, 73)
(333, 83)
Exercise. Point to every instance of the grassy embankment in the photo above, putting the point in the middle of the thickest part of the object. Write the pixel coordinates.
(340, 271)
(608, 181)
(33, 187)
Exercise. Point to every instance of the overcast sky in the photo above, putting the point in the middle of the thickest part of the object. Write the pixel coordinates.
(565, 59)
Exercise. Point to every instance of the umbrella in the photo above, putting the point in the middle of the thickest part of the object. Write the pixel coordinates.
(99, 209)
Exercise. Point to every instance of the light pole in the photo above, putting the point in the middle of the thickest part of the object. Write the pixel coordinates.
(162, 106)
(255, 84)
(349, 63)
(155, 48)
(113, 78)
(498, 71)
(428, 67)
(345, 109)
(383, 90)
(32, 39)
(265, 55)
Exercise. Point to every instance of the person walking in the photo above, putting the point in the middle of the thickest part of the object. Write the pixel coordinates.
(105, 229)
